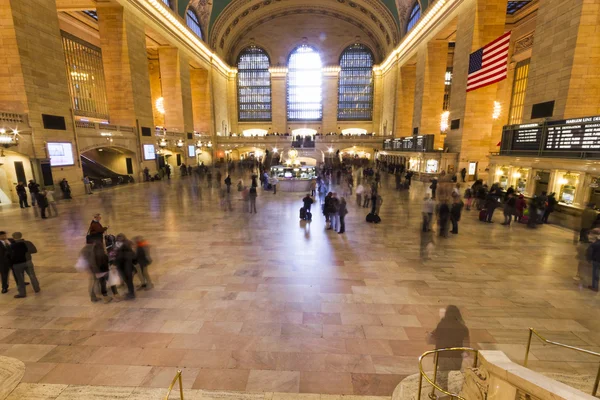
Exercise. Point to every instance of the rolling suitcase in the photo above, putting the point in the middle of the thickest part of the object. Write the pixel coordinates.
(302, 213)
(483, 215)
(373, 218)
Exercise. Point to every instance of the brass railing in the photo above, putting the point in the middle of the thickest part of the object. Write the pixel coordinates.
(433, 383)
(546, 341)
(177, 378)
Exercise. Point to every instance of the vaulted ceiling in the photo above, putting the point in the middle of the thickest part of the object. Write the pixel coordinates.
(229, 24)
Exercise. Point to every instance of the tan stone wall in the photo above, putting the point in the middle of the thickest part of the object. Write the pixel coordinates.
(330, 102)
(389, 96)
(406, 99)
(219, 87)
(155, 90)
(278, 103)
(176, 90)
(201, 100)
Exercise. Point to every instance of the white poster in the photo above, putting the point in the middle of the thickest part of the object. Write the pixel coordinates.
(60, 154)
(472, 168)
(149, 152)
(191, 151)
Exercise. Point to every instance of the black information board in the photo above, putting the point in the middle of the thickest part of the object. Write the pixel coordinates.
(526, 137)
(578, 134)
(408, 143)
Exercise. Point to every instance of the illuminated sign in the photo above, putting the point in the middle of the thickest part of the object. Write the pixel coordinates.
(149, 152)
(60, 154)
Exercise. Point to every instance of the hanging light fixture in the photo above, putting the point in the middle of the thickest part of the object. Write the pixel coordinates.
(162, 143)
(9, 139)
(180, 143)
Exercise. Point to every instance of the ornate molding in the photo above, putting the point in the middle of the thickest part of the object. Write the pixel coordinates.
(524, 43)
(316, 11)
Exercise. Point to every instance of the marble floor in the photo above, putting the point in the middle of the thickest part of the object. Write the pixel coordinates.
(266, 303)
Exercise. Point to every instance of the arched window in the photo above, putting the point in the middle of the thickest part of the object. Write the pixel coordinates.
(415, 14)
(192, 21)
(355, 88)
(168, 3)
(304, 78)
(254, 85)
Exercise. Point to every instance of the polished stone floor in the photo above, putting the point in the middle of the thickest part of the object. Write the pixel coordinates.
(267, 303)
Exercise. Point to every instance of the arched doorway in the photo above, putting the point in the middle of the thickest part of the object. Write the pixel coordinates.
(108, 166)
(14, 168)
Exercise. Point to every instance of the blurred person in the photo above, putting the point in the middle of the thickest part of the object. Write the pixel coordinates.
(34, 189)
(334, 216)
(327, 208)
(22, 193)
(463, 174)
(142, 255)
(342, 211)
(359, 193)
(367, 197)
(428, 208)
(510, 209)
(593, 256)
(209, 179)
(65, 189)
(42, 201)
(168, 171)
(146, 174)
(87, 184)
(218, 177)
(450, 332)
(433, 187)
(550, 207)
(273, 181)
(5, 261)
(124, 257)
(443, 212)
(313, 187)
(469, 198)
(228, 183)
(378, 203)
(252, 195)
(51, 202)
(455, 212)
(307, 201)
(95, 265)
(96, 230)
(520, 206)
(588, 218)
(21, 251)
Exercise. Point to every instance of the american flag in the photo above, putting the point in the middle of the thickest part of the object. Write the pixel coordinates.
(489, 64)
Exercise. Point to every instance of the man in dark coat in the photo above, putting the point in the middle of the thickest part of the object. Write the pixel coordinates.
(34, 189)
(22, 193)
(5, 260)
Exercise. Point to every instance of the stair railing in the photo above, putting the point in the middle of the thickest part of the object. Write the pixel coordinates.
(432, 382)
(177, 378)
(565, 346)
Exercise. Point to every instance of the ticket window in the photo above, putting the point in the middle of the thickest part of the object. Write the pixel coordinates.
(519, 181)
(595, 192)
(567, 183)
(502, 177)
(542, 180)
(414, 164)
(432, 166)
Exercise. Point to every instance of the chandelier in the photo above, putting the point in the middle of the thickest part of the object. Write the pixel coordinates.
(9, 139)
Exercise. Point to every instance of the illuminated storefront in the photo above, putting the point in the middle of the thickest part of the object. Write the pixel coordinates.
(567, 185)
(502, 176)
(519, 180)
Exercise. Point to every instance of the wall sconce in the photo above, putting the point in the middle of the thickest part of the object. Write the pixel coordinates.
(162, 143)
(209, 144)
(444, 125)
(330, 150)
(517, 175)
(499, 172)
(275, 149)
(497, 110)
(180, 143)
(9, 139)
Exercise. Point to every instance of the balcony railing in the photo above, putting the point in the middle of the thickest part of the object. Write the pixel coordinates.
(87, 127)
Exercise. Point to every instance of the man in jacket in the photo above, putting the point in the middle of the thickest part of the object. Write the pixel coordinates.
(34, 189)
(5, 260)
(21, 258)
(22, 193)
(96, 230)
(455, 212)
(593, 256)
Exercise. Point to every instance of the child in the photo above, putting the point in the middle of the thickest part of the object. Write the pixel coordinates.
(142, 254)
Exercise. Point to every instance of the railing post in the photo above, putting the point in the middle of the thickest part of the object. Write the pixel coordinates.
(435, 368)
(528, 347)
(595, 391)
(420, 384)
(180, 384)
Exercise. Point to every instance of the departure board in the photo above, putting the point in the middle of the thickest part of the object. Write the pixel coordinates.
(578, 134)
(526, 137)
(408, 143)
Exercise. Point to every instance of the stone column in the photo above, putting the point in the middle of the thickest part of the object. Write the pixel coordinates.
(176, 90)
(565, 62)
(123, 42)
(377, 102)
(432, 60)
(201, 101)
(406, 100)
(479, 23)
(278, 102)
(156, 91)
(33, 81)
(330, 101)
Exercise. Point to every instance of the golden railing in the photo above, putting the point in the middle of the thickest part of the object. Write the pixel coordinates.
(546, 341)
(433, 383)
(177, 378)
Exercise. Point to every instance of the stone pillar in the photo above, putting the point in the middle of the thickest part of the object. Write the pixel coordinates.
(389, 81)
(377, 102)
(432, 60)
(176, 90)
(123, 43)
(330, 101)
(406, 100)
(565, 62)
(479, 23)
(156, 91)
(232, 98)
(278, 102)
(33, 81)
(201, 101)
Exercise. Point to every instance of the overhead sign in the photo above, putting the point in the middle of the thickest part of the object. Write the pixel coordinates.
(527, 137)
(578, 134)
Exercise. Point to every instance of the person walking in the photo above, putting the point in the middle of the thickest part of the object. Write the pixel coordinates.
(96, 230)
(313, 187)
(342, 211)
(378, 203)
(428, 208)
(443, 212)
(334, 217)
(228, 183)
(433, 187)
(65, 189)
(468, 198)
(42, 201)
(34, 189)
(273, 181)
(252, 195)
(520, 206)
(359, 193)
(588, 218)
(22, 193)
(142, 255)
(366, 197)
(455, 212)
(124, 260)
(593, 256)
(510, 209)
(463, 174)
(87, 184)
(550, 207)
(168, 170)
(21, 251)
(307, 201)
(5, 261)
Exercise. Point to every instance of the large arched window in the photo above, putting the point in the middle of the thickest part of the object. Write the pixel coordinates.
(415, 14)
(168, 3)
(355, 88)
(304, 78)
(254, 85)
(193, 22)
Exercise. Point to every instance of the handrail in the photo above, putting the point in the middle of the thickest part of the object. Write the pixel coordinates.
(435, 387)
(532, 331)
(177, 377)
